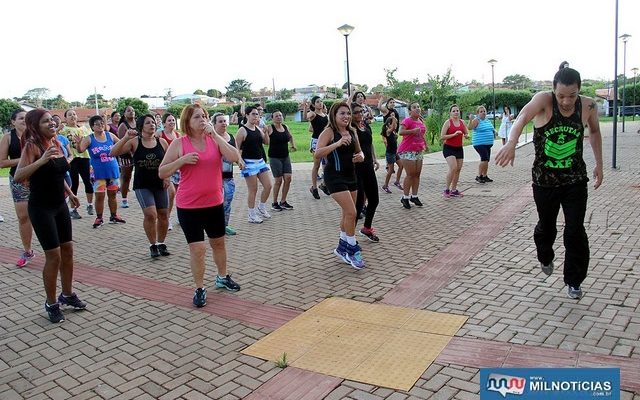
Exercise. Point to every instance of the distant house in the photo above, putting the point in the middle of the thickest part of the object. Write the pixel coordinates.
(154, 102)
(604, 97)
(195, 99)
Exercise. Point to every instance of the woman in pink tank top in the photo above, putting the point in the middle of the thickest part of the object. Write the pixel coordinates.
(198, 155)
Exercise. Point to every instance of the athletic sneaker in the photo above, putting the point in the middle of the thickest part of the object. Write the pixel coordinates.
(341, 250)
(1, 218)
(324, 188)
(98, 223)
(124, 204)
(55, 315)
(415, 200)
(370, 233)
(386, 189)
(480, 179)
(314, 192)
(71, 301)
(25, 258)
(74, 214)
(153, 251)
(398, 185)
(229, 231)
(574, 292)
(116, 219)
(90, 209)
(170, 226)
(456, 193)
(286, 206)
(227, 283)
(405, 203)
(254, 218)
(277, 207)
(264, 214)
(446, 193)
(200, 297)
(487, 179)
(162, 248)
(547, 269)
(354, 256)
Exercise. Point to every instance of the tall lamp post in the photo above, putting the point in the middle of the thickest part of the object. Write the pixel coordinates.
(493, 62)
(624, 38)
(346, 31)
(635, 72)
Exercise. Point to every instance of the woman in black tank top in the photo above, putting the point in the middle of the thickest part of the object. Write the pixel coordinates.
(151, 191)
(10, 150)
(127, 124)
(318, 120)
(339, 144)
(43, 164)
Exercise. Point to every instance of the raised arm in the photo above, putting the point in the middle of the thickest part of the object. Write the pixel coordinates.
(126, 145)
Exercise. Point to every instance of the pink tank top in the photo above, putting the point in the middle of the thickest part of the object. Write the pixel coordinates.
(200, 183)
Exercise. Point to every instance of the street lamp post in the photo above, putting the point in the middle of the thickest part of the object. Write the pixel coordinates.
(95, 98)
(346, 31)
(624, 38)
(493, 62)
(635, 72)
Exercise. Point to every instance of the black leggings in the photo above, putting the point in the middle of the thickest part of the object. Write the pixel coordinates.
(52, 225)
(367, 185)
(80, 166)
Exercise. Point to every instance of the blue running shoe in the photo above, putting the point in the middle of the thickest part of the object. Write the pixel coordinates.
(354, 256)
(71, 301)
(574, 292)
(227, 283)
(341, 251)
(200, 297)
(55, 315)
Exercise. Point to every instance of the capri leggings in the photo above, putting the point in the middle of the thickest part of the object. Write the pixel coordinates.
(367, 186)
(80, 167)
(52, 225)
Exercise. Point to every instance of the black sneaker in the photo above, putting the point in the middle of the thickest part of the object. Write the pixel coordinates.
(314, 192)
(277, 207)
(405, 203)
(116, 219)
(200, 297)
(72, 301)
(324, 188)
(487, 179)
(227, 283)
(480, 179)
(416, 201)
(574, 292)
(55, 315)
(153, 251)
(286, 206)
(162, 249)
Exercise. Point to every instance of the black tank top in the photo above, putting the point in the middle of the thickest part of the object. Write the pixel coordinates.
(558, 149)
(14, 150)
(126, 156)
(279, 142)
(340, 160)
(388, 115)
(318, 123)
(46, 185)
(146, 162)
(252, 145)
(365, 137)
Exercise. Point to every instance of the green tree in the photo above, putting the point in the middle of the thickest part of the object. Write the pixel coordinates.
(200, 92)
(138, 105)
(7, 107)
(285, 94)
(176, 109)
(379, 88)
(438, 96)
(91, 101)
(36, 96)
(403, 90)
(517, 81)
(59, 103)
(214, 93)
(239, 89)
(336, 91)
(286, 107)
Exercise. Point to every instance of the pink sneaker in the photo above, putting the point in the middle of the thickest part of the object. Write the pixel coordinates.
(398, 185)
(386, 189)
(25, 258)
(446, 193)
(456, 193)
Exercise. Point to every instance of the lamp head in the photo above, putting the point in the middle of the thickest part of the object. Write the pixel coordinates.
(492, 62)
(625, 37)
(346, 29)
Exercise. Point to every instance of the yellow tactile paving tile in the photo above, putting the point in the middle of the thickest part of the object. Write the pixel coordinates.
(400, 362)
(378, 344)
(434, 322)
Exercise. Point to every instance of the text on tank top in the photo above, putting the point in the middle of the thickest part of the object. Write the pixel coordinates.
(146, 162)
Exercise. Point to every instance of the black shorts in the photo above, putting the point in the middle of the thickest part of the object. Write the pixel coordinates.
(340, 183)
(457, 152)
(484, 150)
(51, 225)
(195, 221)
(280, 166)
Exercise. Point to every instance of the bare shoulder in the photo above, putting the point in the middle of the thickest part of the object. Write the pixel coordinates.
(588, 103)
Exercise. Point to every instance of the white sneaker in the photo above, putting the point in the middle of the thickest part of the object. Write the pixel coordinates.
(170, 226)
(263, 212)
(1, 218)
(254, 218)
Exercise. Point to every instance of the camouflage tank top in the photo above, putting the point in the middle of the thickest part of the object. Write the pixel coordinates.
(558, 149)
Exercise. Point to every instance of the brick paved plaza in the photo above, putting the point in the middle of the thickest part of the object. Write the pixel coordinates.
(141, 338)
